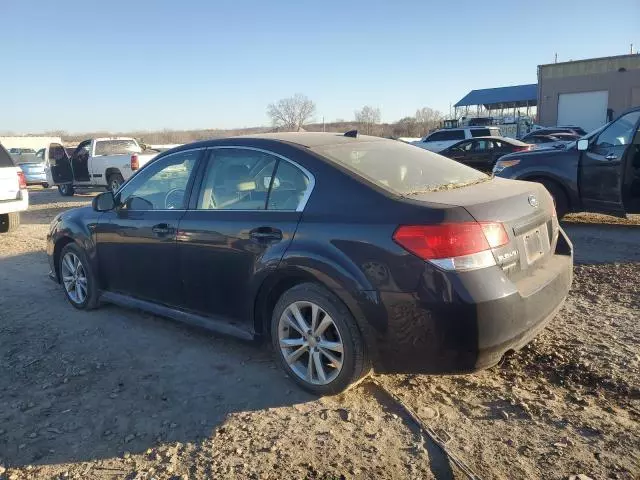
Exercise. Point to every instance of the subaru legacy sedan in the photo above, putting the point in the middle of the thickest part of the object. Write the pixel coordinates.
(347, 252)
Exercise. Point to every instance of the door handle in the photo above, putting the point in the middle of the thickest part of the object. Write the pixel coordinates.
(162, 229)
(265, 234)
(611, 156)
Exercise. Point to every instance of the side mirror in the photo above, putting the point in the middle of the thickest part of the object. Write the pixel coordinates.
(104, 202)
(583, 145)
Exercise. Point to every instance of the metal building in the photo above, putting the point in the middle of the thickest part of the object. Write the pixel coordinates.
(588, 93)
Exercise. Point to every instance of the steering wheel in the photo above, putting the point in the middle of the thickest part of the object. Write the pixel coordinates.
(174, 199)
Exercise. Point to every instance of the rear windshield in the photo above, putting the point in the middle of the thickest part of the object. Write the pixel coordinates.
(401, 168)
(5, 158)
(116, 147)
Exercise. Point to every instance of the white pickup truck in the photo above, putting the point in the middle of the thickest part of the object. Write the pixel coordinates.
(14, 196)
(97, 162)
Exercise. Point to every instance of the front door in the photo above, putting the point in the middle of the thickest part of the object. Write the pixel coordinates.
(58, 165)
(602, 165)
(136, 241)
(240, 224)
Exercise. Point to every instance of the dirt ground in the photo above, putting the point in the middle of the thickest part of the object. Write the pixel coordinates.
(118, 394)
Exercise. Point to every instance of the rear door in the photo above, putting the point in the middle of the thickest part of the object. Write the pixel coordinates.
(602, 165)
(237, 229)
(9, 186)
(58, 165)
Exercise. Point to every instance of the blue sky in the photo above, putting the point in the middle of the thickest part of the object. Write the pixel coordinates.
(153, 64)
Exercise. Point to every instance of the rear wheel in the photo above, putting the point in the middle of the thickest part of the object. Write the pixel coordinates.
(9, 222)
(77, 278)
(317, 341)
(66, 190)
(115, 180)
(560, 199)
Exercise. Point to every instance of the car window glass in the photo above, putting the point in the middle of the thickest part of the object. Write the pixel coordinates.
(5, 158)
(620, 132)
(160, 186)
(116, 147)
(56, 152)
(40, 154)
(237, 179)
(480, 132)
(288, 188)
(481, 145)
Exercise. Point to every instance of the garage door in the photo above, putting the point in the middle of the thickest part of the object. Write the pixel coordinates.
(585, 109)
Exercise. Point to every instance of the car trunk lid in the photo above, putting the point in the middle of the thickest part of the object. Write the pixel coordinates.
(524, 208)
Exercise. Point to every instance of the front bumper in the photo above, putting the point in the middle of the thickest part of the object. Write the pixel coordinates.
(464, 322)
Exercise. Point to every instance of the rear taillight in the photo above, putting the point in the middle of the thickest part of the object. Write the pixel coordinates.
(523, 148)
(135, 164)
(21, 180)
(453, 246)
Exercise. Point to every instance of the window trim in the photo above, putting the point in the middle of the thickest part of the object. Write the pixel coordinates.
(301, 206)
(188, 188)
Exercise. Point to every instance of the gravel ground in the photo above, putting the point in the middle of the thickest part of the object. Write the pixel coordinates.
(115, 394)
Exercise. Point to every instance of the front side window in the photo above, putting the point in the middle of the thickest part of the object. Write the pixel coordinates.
(162, 185)
(620, 132)
(40, 155)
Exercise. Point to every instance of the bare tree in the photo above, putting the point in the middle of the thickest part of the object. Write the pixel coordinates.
(368, 117)
(291, 113)
(427, 119)
(406, 127)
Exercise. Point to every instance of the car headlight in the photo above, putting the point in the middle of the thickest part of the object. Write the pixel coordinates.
(502, 164)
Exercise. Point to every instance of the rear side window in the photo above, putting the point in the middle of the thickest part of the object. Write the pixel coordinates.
(116, 147)
(401, 168)
(445, 135)
(5, 158)
(480, 132)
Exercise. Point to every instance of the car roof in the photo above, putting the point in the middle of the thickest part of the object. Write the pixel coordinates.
(315, 139)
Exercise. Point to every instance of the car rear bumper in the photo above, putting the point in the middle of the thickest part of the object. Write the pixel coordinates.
(464, 322)
(19, 205)
(35, 178)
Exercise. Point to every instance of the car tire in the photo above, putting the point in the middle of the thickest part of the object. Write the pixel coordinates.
(560, 199)
(320, 350)
(73, 262)
(9, 222)
(114, 182)
(66, 190)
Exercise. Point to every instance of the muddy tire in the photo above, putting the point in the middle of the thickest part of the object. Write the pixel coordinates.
(77, 278)
(317, 341)
(9, 222)
(66, 190)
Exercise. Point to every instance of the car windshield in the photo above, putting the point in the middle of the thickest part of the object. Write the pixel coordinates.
(116, 147)
(400, 168)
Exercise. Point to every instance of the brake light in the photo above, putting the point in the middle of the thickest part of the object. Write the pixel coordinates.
(453, 246)
(135, 164)
(21, 180)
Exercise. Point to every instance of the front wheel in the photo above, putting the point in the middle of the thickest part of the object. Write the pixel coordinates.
(66, 190)
(317, 341)
(77, 278)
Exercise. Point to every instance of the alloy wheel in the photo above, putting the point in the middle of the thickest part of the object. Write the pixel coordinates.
(310, 343)
(74, 278)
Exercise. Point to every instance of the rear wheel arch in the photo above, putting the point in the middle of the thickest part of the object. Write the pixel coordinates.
(113, 173)
(280, 282)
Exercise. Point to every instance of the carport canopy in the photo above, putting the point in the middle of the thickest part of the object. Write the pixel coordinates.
(502, 97)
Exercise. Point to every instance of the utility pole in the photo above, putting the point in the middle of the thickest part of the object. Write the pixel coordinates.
(323, 123)
(556, 58)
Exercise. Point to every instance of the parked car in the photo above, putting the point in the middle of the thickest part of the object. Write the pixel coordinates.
(441, 139)
(98, 162)
(557, 140)
(482, 153)
(34, 169)
(598, 173)
(14, 196)
(344, 259)
(553, 131)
